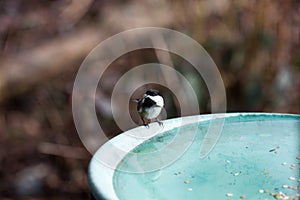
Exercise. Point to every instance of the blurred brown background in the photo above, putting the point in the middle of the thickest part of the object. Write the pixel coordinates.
(255, 44)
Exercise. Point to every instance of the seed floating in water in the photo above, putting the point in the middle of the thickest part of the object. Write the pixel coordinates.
(296, 188)
(190, 189)
(293, 166)
(229, 194)
(292, 178)
(187, 181)
(243, 197)
(273, 194)
(278, 196)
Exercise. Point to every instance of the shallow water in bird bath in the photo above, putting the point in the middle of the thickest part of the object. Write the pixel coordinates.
(256, 157)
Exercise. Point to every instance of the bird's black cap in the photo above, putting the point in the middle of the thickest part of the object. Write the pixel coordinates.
(152, 92)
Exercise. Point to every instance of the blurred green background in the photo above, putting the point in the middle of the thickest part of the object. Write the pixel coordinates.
(255, 44)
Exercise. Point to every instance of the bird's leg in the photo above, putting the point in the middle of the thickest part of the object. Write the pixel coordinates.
(159, 122)
(144, 123)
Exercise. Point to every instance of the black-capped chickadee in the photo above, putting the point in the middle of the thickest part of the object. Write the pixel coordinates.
(150, 106)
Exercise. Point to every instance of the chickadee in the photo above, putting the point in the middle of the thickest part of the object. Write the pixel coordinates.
(150, 106)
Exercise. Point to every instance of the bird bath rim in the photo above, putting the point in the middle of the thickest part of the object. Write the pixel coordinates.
(101, 180)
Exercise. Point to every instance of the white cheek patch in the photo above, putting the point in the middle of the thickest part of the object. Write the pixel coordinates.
(158, 99)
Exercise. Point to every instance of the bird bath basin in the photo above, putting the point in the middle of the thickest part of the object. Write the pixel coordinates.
(256, 156)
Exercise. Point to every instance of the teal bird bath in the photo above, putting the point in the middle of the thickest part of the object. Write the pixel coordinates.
(205, 157)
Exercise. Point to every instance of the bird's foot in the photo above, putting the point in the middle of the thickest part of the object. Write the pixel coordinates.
(144, 123)
(160, 123)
